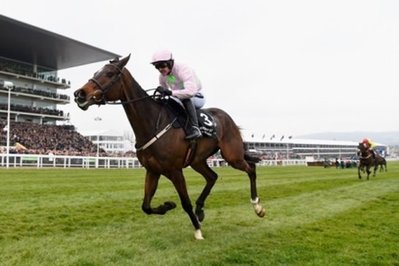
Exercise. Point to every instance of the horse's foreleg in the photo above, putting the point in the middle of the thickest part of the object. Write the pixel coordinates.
(151, 184)
(179, 182)
(211, 178)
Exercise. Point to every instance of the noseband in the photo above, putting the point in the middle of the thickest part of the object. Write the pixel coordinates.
(103, 89)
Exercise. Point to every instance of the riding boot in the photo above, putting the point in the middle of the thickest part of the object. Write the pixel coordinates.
(193, 131)
(373, 154)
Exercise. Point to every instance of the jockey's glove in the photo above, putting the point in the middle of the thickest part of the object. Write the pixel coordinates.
(164, 91)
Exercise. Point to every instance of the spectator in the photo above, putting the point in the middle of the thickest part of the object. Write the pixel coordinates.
(42, 139)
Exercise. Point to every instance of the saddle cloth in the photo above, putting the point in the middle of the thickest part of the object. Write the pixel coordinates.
(206, 122)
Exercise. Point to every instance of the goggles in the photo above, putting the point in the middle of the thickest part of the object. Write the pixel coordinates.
(161, 64)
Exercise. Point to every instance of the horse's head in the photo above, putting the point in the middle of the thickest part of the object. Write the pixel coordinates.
(102, 87)
(363, 150)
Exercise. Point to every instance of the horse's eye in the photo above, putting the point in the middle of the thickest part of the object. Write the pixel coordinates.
(110, 74)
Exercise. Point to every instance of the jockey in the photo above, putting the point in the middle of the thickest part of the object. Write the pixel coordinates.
(180, 81)
(370, 145)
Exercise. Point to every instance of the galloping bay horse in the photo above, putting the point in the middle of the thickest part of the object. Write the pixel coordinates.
(161, 148)
(381, 162)
(366, 161)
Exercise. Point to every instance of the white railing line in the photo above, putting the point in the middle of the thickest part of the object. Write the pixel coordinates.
(68, 161)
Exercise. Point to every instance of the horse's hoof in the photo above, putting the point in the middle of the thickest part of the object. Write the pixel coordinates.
(198, 235)
(260, 211)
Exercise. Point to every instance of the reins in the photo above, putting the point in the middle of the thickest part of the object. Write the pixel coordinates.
(133, 100)
(104, 89)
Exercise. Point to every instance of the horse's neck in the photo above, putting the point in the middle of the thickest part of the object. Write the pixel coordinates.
(366, 153)
(142, 114)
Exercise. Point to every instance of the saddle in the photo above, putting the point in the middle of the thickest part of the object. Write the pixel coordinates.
(206, 123)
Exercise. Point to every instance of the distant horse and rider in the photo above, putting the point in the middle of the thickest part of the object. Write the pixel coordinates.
(369, 159)
(381, 162)
(160, 140)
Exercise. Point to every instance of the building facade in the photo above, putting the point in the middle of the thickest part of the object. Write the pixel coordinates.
(36, 93)
(111, 142)
(30, 58)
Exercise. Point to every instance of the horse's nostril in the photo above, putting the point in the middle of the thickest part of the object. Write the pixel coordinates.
(80, 94)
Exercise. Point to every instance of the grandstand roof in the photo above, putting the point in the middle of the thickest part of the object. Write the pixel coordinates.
(30, 44)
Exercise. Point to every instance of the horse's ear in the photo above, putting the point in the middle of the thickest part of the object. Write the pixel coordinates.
(115, 60)
(123, 61)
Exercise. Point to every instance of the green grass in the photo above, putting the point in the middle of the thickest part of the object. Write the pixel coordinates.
(315, 216)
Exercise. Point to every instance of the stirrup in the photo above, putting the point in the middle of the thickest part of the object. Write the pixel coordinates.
(196, 133)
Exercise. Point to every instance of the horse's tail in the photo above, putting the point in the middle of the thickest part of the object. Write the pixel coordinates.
(251, 158)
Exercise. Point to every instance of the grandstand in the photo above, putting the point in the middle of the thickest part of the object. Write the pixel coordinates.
(29, 60)
(288, 148)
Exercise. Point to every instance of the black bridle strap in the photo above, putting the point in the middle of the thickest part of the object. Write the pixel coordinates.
(107, 87)
(97, 83)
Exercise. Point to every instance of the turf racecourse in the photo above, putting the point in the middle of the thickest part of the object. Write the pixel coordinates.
(315, 216)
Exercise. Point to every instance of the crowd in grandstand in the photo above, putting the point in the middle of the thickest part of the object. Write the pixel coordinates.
(29, 109)
(32, 138)
(38, 92)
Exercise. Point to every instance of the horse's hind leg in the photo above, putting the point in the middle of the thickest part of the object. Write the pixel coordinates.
(151, 184)
(210, 177)
(368, 172)
(238, 162)
(259, 210)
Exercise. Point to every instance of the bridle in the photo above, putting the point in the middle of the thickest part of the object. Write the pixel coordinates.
(103, 89)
